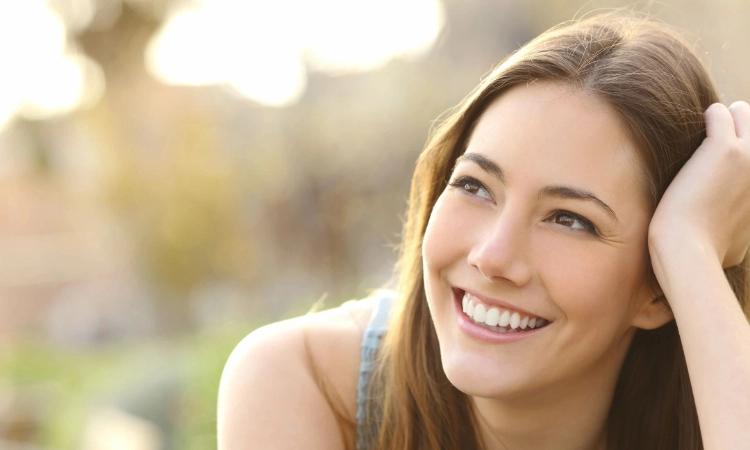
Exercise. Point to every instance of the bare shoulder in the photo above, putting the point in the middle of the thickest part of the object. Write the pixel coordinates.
(279, 383)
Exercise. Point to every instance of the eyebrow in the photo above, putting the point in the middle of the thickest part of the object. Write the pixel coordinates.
(556, 191)
(486, 164)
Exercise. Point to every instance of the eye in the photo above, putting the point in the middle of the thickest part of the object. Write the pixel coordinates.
(573, 221)
(472, 186)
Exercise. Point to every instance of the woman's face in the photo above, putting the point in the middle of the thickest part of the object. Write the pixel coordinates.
(544, 217)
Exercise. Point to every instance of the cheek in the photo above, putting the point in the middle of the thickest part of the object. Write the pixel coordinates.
(442, 243)
(588, 280)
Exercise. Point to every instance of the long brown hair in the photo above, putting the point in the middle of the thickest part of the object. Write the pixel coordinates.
(659, 88)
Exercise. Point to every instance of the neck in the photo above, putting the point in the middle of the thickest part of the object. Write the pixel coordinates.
(572, 416)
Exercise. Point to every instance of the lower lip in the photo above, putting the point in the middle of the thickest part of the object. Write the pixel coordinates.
(483, 334)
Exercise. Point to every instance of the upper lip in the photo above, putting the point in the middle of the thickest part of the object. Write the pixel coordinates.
(499, 303)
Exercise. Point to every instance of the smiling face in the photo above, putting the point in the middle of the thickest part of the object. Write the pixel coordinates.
(544, 215)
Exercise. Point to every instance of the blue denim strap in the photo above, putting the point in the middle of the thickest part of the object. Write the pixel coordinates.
(376, 328)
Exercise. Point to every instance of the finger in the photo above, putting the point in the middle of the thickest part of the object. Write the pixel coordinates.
(719, 122)
(741, 114)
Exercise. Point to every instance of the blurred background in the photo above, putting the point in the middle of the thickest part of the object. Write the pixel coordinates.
(175, 173)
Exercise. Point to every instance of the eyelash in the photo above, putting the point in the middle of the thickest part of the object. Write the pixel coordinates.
(465, 181)
(585, 223)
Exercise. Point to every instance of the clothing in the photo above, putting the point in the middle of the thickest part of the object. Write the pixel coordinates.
(376, 328)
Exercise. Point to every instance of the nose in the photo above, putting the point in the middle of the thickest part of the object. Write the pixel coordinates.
(501, 250)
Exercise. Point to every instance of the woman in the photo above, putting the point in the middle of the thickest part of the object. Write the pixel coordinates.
(584, 204)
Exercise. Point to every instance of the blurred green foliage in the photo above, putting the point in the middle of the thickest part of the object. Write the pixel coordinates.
(88, 377)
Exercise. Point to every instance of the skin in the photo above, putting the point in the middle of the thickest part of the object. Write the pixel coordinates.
(500, 238)
(701, 225)
(555, 388)
(268, 396)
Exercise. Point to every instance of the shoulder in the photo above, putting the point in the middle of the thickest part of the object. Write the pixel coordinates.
(290, 383)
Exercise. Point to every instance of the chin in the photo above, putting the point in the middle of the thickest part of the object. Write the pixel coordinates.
(483, 377)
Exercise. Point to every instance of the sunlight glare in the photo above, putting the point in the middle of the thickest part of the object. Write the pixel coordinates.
(76, 14)
(41, 77)
(261, 49)
(9, 100)
(50, 96)
(355, 35)
(184, 51)
(230, 43)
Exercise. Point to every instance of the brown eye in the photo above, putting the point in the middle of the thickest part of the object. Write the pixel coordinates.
(472, 186)
(573, 221)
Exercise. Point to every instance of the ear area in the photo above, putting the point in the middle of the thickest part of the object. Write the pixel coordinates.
(653, 314)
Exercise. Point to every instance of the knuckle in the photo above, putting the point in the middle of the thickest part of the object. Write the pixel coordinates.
(715, 108)
(738, 105)
(732, 151)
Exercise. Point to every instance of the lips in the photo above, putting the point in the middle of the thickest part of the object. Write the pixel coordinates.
(494, 321)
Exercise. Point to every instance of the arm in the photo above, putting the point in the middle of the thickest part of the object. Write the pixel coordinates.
(715, 336)
(701, 225)
(269, 399)
(270, 396)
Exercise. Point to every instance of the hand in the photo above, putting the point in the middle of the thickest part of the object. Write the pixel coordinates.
(708, 202)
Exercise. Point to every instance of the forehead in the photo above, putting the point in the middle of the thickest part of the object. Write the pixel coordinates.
(550, 133)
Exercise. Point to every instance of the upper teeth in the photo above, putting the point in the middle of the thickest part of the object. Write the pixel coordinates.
(504, 319)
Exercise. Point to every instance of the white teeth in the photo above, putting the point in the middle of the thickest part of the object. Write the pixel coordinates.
(505, 322)
(493, 315)
(515, 320)
(504, 319)
(479, 313)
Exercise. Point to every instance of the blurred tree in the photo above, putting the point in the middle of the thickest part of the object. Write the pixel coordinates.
(183, 207)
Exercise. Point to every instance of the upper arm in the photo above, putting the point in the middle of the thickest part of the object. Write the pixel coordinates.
(269, 395)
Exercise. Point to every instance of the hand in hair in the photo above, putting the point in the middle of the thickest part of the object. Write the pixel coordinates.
(708, 203)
